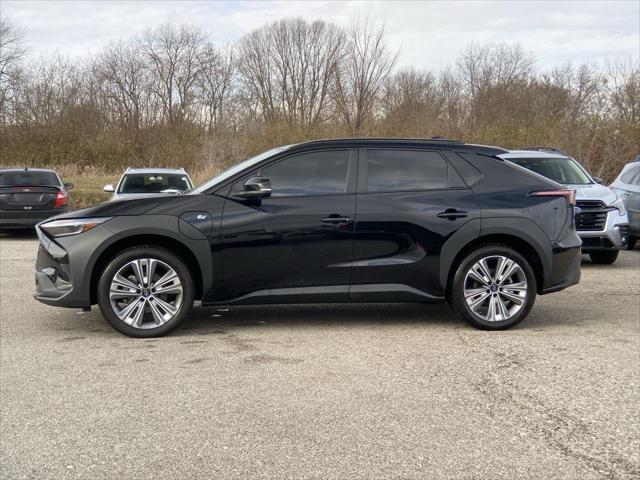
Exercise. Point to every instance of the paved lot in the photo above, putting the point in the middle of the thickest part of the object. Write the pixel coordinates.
(376, 391)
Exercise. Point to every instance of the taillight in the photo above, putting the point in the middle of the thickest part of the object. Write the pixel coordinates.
(569, 195)
(61, 200)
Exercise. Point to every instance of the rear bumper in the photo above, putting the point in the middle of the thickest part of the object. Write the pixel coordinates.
(565, 264)
(26, 219)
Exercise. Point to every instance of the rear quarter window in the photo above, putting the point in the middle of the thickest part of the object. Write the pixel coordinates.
(393, 170)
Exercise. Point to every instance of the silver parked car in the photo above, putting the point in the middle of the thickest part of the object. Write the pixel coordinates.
(145, 182)
(601, 217)
(627, 186)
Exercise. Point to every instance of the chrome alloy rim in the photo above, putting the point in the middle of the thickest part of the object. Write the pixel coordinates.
(495, 288)
(145, 293)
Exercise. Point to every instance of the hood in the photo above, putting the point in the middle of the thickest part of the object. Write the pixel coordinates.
(594, 191)
(134, 206)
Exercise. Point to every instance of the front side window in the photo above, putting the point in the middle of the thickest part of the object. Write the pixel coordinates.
(397, 170)
(154, 183)
(562, 170)
(314, 173)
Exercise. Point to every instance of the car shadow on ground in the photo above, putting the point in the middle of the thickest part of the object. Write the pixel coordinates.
(203, 319)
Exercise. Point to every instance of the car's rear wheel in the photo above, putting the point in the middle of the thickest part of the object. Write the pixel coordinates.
(145, 291)
(604, 257)
(494, 288)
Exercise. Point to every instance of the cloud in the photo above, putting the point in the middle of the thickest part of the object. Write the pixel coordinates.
(429, 34)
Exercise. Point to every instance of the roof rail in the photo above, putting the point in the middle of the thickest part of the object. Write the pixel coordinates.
(547, 149)
(439, 138)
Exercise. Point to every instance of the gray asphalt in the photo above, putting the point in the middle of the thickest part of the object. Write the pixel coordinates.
(366, 391)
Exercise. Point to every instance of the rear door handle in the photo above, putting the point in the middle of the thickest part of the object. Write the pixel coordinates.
(336, 219)
(452, 214)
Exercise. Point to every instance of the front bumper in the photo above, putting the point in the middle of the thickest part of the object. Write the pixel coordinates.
(61, 275)
(614, 236)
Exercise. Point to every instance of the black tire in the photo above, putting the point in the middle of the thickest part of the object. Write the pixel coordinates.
(631, 243)
(457, 295)
(604, 257)
(143, 252)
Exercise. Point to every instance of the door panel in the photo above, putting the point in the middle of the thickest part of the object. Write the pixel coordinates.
(399, 234)
(296, 245)
(282, 243)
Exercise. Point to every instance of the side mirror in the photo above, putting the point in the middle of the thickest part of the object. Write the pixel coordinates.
(68, 186)
(255, 187)
(599, 180)
(109, 188)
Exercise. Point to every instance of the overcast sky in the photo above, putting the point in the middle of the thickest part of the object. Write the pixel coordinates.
(429, 34)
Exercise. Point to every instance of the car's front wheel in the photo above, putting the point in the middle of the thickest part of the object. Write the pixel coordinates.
(494, 288)
(145, 291)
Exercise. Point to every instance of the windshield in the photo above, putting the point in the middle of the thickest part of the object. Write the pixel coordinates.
(28, 178)
(154, 183)
(231, 171)
(562, 170)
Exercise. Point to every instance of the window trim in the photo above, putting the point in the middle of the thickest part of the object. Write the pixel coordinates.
(363, 172)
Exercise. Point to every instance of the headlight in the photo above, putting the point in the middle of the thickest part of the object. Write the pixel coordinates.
(73, 226)
(619, 204)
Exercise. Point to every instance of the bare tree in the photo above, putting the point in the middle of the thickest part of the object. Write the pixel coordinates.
(288, 68)
(216, 84)
(121, 74)
(367, 64)
(412, 104)
(12, 51)
(175, 57)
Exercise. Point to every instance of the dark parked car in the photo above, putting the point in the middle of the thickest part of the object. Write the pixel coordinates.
(357, 220)
(30, 195)
(627, 186)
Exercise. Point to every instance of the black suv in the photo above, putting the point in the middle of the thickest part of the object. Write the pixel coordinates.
(354, 220)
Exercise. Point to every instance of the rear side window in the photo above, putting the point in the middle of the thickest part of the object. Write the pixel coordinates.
(398, 170)
(628, 176)
(28, 178)
(313, 173)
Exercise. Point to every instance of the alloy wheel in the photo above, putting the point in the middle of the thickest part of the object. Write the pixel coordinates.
(146, 293)
(495, 288)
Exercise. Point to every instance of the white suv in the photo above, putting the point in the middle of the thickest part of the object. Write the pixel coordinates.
(601, 218)
(146, 182)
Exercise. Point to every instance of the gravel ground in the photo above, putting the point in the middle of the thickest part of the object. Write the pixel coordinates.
(323, 391)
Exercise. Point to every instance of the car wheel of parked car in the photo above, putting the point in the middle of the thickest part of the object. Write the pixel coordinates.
(494, 288)
(605, 257)
(145, 291)
(631, 243)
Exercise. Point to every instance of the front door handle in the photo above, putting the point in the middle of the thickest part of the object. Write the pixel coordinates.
(452, 214)
(336, 219)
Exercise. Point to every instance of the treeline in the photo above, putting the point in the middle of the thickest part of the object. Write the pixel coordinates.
(172, 98)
